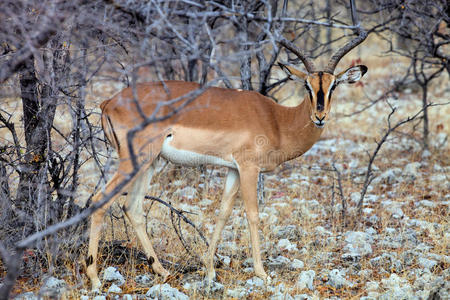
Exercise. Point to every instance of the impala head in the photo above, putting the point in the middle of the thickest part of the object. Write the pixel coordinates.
(321, 84)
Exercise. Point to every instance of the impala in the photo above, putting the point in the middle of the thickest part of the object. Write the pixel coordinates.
(242, 130)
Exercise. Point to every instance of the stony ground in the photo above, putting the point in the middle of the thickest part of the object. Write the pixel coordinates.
(397, 248)
(313, 248)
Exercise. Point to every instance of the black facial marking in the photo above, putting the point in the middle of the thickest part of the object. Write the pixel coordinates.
(309, 91)
(89, 261)
(114, 133)
(151, 260)
(320, 95)
(331, 91)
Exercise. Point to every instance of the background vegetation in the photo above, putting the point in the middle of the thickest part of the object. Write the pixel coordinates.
(60, 59)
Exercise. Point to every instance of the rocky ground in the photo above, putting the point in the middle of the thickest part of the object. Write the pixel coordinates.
(316, 244)
(398, 249)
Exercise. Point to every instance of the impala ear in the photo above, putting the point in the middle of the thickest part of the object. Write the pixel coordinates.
(291, 72)
(351, 75)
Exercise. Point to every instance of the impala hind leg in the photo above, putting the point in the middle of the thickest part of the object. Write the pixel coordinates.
(226, 207)
(249, 182)
(97, 222)
(134, 212)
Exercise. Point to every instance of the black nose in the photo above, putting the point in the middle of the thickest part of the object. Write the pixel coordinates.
(319, 119)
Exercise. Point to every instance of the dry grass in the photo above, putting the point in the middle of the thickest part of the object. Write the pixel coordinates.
(285, 189)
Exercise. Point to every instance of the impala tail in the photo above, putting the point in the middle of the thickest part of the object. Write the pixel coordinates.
(108, 127)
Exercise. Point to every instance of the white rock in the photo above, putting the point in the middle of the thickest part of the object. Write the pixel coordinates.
(297, 264)
(438, 179)
(178, 182)
(270, 210)
(112, 274)
(53, 288)
(290, 232)
(306, 280)
(255, 283)
(438, 168)
(372, 286)
(411, 171)
(114, 289)
(279, 262)
(237, 293)
(427, 263)
(166, 292)
(336, 279)
(365, 273)
(390, 176)
(280, 293)
(393, 281)
(369, 297)
(397, 288)
(211, 287)
(54, 283)
(371, 198)
(26, 296)
(127, 297)
(367, 210)
(440, 140)
(190, 208)
(84, 297)
(272, 220)
(373, 219)
(371, 231)
(143, 279)
(303, 297)
(206, 202)
(424, 280)
(358, 244)
(320, 230)
(426, 203)
(187, 192)
(285, 244)
(280, 205)
(394, 208)
(99, 297)
(388, 261)
(226, 260)
(426, 154)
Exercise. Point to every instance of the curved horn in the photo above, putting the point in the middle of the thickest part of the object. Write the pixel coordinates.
(309, 65)
(362, 34)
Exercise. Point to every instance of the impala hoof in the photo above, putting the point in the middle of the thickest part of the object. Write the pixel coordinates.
(95, 286)
(267, 280)
(211, 276)
(210, 288)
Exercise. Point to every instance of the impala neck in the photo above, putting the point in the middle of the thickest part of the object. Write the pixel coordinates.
(298, 132)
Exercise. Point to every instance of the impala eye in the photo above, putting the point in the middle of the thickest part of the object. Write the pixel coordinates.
(332, 90)
(309, 91)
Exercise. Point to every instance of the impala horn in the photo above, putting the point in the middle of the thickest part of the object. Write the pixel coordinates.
(309, 65)
(362, 34)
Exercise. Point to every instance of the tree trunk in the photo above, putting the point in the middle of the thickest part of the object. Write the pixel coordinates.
(244, 53)
(38, 114)
(425, 116)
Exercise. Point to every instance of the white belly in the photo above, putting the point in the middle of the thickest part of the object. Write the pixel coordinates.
(190, 158)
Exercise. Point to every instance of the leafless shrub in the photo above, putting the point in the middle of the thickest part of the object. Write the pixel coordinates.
(52, 52)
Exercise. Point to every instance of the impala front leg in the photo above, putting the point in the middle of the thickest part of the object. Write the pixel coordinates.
(249, 181)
